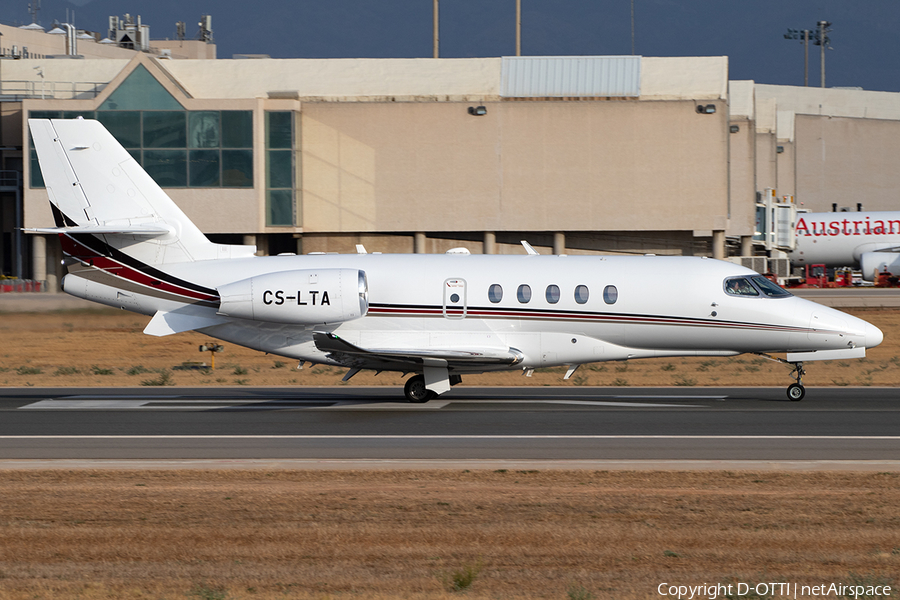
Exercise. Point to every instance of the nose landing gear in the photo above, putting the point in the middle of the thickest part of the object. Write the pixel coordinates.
(795, 391)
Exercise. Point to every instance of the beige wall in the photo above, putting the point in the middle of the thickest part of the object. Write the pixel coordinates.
(185, 49)
(785, 166)
(567, 166)
(766, 162)
(742, 177)
(10, 125)
(342, 80)
(219, 210)
(846, 160)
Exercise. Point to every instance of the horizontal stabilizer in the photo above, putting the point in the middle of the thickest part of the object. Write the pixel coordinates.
(347, 353)
(169, 322)
(142, 230)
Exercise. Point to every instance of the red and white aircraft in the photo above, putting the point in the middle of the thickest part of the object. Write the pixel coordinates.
(868, 240)
(437, 316)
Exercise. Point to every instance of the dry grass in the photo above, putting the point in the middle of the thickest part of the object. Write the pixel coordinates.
(402, 534)
(108, 349)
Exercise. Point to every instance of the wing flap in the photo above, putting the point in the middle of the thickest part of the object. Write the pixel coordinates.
(351, 355)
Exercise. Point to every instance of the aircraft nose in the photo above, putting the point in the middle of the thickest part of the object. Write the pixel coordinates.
(873, 336)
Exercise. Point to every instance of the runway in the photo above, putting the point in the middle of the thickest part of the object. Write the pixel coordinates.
(486, 424)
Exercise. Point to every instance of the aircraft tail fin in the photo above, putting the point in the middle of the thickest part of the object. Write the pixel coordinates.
(99, 191)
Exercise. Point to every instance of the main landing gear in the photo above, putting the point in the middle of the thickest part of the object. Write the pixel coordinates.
(416, 391)
(795, 391)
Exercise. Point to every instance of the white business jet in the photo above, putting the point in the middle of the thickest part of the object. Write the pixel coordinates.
(436, 316)
(868, 240)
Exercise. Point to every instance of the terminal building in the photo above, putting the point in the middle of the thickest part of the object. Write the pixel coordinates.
(596, 154)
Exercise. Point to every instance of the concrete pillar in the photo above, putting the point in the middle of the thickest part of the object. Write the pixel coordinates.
(419, 243)
(490, 242)
(39, 258)
(299, 241)
(260, 241)
(718, 245)
(56, 270)
(559, 243)
(746, 245)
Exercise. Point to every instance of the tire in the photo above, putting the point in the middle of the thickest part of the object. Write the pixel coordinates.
(795, 392)
(416, 391)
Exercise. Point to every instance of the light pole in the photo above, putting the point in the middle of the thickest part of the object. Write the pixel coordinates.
(822, 39)
(436, 29)
(632, 27)
(518, 27)
(798, 34)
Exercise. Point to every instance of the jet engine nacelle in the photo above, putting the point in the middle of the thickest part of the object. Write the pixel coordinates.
(872, 263)
(304, 297)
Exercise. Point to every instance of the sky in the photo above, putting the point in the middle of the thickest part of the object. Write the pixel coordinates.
(863, 48)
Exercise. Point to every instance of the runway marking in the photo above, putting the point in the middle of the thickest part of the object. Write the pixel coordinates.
(451, 437)
(169, 403)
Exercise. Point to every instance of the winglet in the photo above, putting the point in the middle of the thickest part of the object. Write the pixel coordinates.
(529, 248)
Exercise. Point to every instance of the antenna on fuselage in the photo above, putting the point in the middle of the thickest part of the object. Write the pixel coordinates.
(529, 249)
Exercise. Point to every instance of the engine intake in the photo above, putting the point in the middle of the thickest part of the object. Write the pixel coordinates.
(303, 297)
(873, 263)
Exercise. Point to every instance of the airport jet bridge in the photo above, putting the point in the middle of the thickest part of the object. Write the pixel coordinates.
(775, 221)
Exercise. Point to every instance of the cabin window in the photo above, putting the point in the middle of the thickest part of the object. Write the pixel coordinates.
(610, 294)
(740, 286)
(552, 294)
(495, 293)
(581, 294)
(524, 294)
(770, 289)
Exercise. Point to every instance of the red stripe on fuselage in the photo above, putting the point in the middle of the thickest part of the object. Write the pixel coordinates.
(575, 316)
(113, 267)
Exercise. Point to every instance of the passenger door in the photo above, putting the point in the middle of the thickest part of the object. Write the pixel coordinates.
(455, 306)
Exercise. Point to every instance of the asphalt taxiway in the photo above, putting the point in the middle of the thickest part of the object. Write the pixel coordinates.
(498, 424)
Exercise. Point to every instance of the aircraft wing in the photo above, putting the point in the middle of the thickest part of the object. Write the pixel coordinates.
(374, 358)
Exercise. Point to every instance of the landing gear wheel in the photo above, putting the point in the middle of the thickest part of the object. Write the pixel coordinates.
(795, 392)
(416, 391)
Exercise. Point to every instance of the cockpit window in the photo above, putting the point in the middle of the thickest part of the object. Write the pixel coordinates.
(770, 289)
(740, 286)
